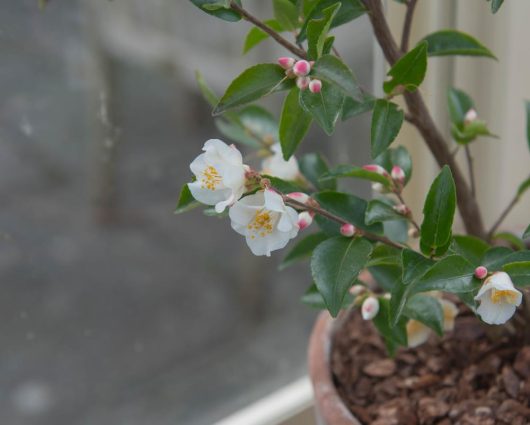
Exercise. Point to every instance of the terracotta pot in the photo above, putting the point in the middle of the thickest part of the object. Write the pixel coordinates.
(329, 408)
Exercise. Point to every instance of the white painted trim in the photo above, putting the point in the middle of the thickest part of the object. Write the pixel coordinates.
(275, 408)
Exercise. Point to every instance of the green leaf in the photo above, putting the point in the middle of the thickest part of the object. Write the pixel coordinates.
(217, 8)
(378, 211)
(523, 187)
(349, 207)
(396, 230)
(496, 257)
(386, 275)
(283, 185)
(186, 201)
(514, 241)
(335, 265)
(471, 248)
(325, 107)
(286, 14)
(349, 10)
(256, 36)
(427, 310)
(519, 272)
(294, 123)
(313, 299)
(317, 31)
(527, 104)
(409, 71)
(303, 249)
(331, 69)
(387, 119)
(393, 336)
(357, 172)
(328, 44)
(438, 212)
(254, 83)
(459, 103)
(451, 274)
(206, 91)
(496, 5)
(313, 166)
(452, 42)
(396, 156)
(526, 233)
(384, 255)
(352, 107)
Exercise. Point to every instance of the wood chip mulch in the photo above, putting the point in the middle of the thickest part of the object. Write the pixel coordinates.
(461, 379)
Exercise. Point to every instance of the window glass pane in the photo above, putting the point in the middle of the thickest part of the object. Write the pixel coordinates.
(113, 309)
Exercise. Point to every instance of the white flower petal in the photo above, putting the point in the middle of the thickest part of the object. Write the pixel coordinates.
(198, 165)
(495, 314)
(417, 333)
(450, 311)
(276, 166)
(207, 196)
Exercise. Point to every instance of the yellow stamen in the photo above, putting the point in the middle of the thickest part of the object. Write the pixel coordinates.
(211, 178)
(503, 296)
(261, 224)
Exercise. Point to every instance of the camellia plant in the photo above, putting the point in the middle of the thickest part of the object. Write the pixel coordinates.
(413, 263)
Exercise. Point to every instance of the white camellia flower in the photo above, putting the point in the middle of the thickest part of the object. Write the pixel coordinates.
(417, 333)
(265, 221)
(276, 166)
(498, 299)
(220, 174)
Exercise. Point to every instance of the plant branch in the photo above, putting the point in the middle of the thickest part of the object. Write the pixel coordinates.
(503, 215)
(471, 171)
(407, 25)
(340, 220)
(422, 120)
(410, 217)
(264, 27)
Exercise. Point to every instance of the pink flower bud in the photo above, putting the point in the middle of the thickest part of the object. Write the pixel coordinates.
(299, 196)
(286, 62)
(374, 168)
(356, 290)
(481, 272)
(304, 220)
(398, 174)
(347, 230)
(301, 68)
(401, 209)
(370, 308)
(315, 86)
(303, 82)
(470, 116)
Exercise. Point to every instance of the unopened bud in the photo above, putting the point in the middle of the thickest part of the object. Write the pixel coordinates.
(470, 116)
(378, 187)
(286, 62)
(370, 308)
(298, 196)
(357, 290)
(304, 220)
(303, 82)
(374, 168)
(315, 86)
(481, 272)
(301, 68)
(347, 230)
(402, 209)
(398, 174)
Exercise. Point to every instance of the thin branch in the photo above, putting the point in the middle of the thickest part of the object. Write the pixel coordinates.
(264, 27)
(471, 171)
(340, 220)
(407, 25)
(506, 211)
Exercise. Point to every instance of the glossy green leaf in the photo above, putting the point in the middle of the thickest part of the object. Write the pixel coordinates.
(459, 104)
(254, 83)
(409, 71)
(513, 240)
(526, 233)
(317, 31)
(349, 207)
(519, 272)
(331, 69)
(523, 187)
(283, 186)
(386, 275)
(352, 107)
(396, 230)
(393, 336)
(378, 211)
(427, 310)
(313, 299)
(325, 107)
(496, 257)
(356, 172)
(313, 166)
(396, 156)
(255, 36)
(335, 265)
(286, 14)
(471, 248)
(303, 249)
(451, 274)
(387, 120)
(206, 91)
(294, 123)
(496, 5)
(217, 8)
(349, 10)
(452, 42)
(384, 255)
(438, 213)
(186, 201)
